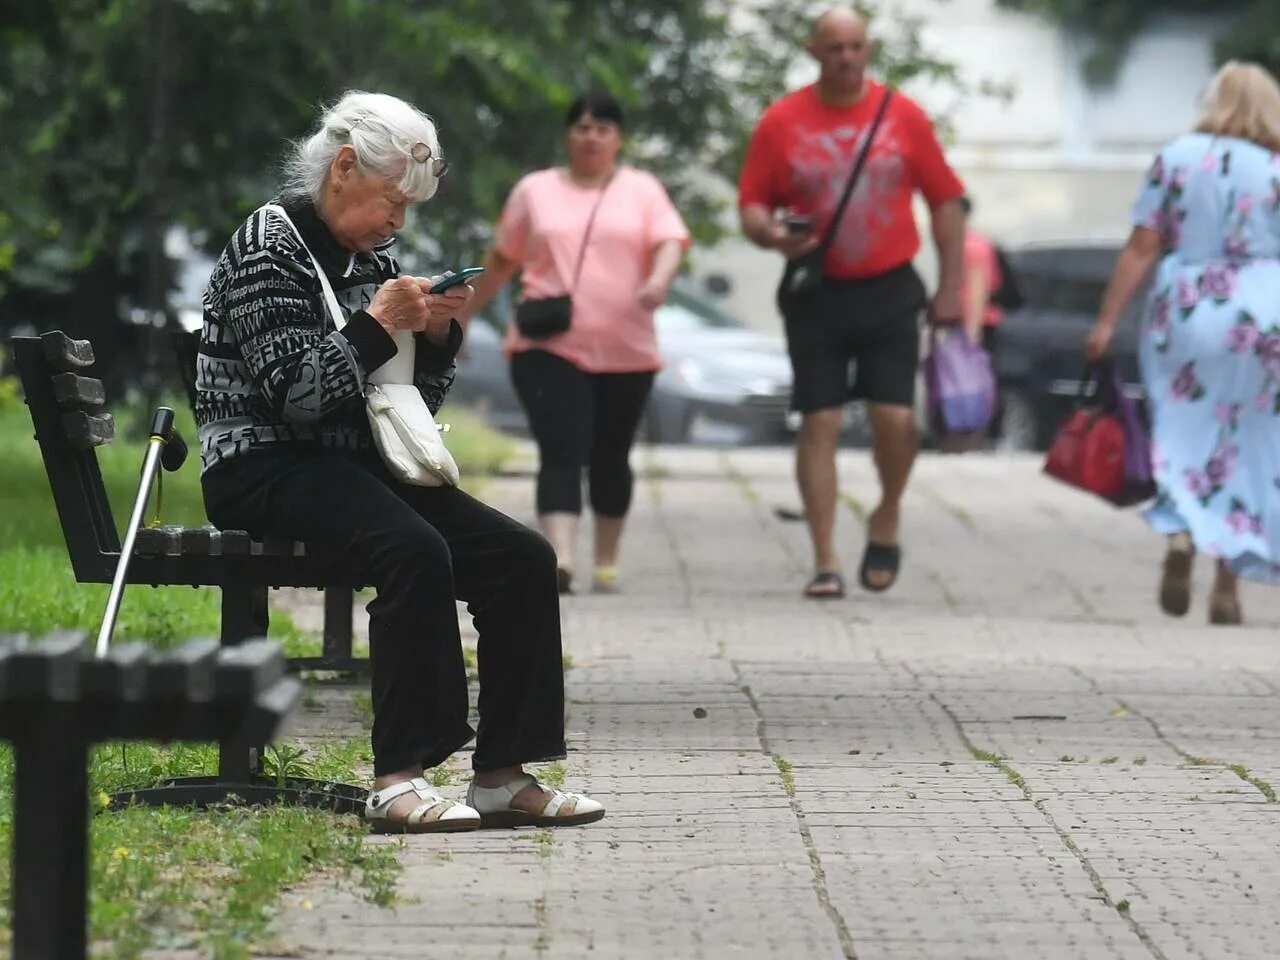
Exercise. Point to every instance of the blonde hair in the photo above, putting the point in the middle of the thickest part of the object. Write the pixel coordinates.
(1243, 101)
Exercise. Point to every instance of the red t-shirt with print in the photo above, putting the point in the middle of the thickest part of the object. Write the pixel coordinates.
(803, 150)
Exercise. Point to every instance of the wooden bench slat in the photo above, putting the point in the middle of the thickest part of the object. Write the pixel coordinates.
(270, 707)
(233, 543)
(85, 431)
(246, 670)
(277, 547)
(159, 541)
(48, 669)
(186, 672)
(120, 675)
(64, 354)
(74, 392)
(197, 541)
(9, 642)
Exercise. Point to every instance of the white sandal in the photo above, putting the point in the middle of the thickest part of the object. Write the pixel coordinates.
(450, 815)
(561, 810)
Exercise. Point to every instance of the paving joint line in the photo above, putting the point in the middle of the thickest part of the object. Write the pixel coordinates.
(1016, 778)
(767, 522)
(654, 481)
(1261, 678)
(1013, 776)
(1239, 769)
(806, 835)
(854, 506)
(964, 519)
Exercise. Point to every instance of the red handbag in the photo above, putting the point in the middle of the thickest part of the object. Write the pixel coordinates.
(1088, 453)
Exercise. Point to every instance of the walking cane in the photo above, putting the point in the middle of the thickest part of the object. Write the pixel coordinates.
(166, 448)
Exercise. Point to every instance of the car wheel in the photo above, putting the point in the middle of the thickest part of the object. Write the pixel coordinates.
(1019, 429)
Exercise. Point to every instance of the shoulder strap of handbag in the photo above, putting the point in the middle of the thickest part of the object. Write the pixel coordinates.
(834, 225)
(335, 312)
(591, 221)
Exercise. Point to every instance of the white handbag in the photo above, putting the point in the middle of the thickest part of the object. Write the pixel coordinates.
(404, 430)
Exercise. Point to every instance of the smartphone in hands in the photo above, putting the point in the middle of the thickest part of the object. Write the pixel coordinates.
(453, 279)
(798, 224)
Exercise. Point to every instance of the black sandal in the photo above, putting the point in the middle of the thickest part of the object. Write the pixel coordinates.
(827, 585)
(881, 558)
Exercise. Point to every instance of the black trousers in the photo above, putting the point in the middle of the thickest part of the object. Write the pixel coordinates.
(581, 420)
(421, 548)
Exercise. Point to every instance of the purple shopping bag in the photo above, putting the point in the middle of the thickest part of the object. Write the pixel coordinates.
(959, 382)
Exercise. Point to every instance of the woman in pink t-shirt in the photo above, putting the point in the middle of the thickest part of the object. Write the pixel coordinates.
(585, 389)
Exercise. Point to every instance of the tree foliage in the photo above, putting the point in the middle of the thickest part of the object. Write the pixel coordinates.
(1253, 31)
(127, 117)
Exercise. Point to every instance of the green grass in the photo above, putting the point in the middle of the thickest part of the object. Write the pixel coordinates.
(1241, 771)
(1001, 764)
(553, 774)
(479, 449)
(158, 876)
(785, 773)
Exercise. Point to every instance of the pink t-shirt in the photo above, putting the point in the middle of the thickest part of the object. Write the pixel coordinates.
(541, 228)
(980, 254)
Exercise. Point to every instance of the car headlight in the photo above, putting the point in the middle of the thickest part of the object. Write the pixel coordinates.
(702, 378)
(709, 379)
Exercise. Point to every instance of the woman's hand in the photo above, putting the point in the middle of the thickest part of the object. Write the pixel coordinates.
(1099, 341)
(653, 294)
(443, 308)
(400, 304)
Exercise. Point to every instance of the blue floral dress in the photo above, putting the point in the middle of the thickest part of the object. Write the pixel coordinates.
(1210, 349)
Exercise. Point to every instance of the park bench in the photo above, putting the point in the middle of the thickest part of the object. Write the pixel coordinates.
(56, 700)
(70, 423)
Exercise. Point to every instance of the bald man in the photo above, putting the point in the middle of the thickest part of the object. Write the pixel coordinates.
(856, 336)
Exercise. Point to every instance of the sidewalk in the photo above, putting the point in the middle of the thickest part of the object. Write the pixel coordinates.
(1013, 754)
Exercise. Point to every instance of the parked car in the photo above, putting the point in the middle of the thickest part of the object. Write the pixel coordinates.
(1039, 356)
(720, 383)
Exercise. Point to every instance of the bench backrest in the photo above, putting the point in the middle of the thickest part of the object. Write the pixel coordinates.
(70, 423)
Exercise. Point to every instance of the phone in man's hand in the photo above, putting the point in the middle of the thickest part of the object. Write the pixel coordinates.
(798, 224)
(453, 279)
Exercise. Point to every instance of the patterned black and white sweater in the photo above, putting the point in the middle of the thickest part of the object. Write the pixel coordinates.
(272, 368)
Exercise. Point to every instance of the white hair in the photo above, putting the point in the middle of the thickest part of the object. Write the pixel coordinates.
(384, 131)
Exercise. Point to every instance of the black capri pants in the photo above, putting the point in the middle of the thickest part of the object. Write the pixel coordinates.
(581, 421)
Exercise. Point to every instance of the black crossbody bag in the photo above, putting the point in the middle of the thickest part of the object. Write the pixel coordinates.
(804, 274)
(544, 317)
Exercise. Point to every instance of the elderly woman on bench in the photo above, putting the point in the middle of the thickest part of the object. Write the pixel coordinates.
(286, 451)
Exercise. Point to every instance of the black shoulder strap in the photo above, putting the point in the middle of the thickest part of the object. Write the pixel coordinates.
(834, 225)
(591, 222)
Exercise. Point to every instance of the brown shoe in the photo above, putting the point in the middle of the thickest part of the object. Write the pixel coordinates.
(1224, 610)
(1175, 580)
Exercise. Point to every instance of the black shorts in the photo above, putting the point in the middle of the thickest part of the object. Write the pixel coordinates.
(855, 339)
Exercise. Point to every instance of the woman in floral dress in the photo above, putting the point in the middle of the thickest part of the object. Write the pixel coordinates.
(1210, 213)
